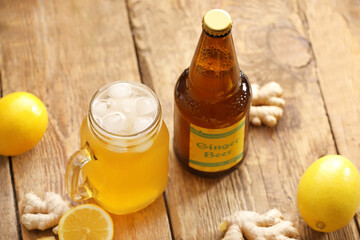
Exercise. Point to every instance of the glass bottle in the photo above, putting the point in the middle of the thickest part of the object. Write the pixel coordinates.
(212, 103)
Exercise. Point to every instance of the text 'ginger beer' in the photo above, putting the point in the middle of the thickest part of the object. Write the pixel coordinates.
(212, 102)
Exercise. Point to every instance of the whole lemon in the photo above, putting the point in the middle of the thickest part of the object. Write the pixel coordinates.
(328, 194)
(23, 122)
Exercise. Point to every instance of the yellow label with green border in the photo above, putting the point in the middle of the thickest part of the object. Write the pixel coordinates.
(214, 150)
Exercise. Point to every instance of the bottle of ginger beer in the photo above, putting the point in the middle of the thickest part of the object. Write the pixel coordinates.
(212, 102)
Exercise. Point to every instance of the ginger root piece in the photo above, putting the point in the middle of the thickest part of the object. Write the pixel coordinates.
(55, 230)
(269, 94)
(269, 115)
(39, 214)
(267, 104)
(251, 225)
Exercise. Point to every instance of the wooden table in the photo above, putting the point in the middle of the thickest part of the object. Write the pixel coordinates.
(63, 51)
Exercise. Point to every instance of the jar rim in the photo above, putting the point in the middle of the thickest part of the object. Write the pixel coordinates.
(98, 129)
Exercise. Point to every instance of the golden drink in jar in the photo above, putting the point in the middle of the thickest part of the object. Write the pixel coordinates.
(124, 158)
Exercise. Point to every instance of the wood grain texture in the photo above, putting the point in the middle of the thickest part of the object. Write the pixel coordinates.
(8, 224)
(63, 51)
(272, 44)
(338, 24)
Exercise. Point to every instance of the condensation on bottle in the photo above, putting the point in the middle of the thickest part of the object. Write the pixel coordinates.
(212, 103)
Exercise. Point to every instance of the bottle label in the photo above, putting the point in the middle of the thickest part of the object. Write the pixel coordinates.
(214, 150)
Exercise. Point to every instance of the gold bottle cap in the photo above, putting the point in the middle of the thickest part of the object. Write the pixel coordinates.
(217, 22)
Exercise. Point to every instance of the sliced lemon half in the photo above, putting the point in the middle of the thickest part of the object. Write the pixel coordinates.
(86, 222)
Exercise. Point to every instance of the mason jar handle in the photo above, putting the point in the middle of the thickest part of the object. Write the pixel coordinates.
(78, 191)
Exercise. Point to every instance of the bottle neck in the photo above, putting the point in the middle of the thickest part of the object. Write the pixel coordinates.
(214, 71)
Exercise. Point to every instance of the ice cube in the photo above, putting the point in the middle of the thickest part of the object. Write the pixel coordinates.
(114, 122)
(99, 121)
(141, 123)
(125, 105)
(101, 107)
(145, 106)
(143, 147)
(121, 90)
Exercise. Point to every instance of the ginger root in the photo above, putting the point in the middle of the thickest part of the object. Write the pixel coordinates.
(39, 214)
(267, 104)
(268, 94)
(55, 230)
(269, 115)
(253, 226)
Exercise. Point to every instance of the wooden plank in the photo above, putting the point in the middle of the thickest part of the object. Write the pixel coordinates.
(63, 52)
(270, 38)
(8, 224)
(337, 23)
(341, 55)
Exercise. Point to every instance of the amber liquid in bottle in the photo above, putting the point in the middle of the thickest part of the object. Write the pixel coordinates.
(211, 95)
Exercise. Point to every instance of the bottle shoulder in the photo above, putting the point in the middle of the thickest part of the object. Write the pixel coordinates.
(221, 111)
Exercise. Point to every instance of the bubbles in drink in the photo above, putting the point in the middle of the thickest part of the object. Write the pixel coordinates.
(124, 109)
